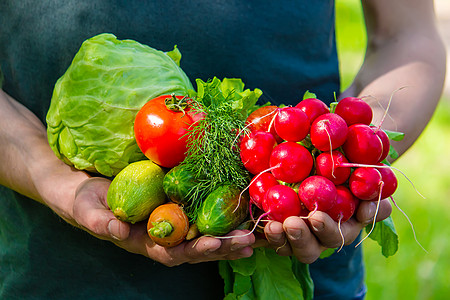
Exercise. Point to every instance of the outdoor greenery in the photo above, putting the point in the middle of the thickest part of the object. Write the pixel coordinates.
(412, 273)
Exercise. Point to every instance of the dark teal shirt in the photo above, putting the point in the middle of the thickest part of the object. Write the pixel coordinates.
(282, 47)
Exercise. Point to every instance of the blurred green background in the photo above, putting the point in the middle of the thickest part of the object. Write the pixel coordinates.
(412, 273)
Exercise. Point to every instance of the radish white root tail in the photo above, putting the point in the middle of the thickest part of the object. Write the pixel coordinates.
(410, 223)
(342, 235)
(253, 180)
(374, 217)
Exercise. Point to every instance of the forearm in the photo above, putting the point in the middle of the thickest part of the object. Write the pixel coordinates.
(409, 56)
(28, 164)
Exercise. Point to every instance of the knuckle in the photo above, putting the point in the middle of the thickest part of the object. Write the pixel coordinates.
(334, 244)
(169, 263)
(283, 251)
(308, 258)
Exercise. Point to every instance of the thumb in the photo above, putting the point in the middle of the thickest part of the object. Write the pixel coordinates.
(118, 230)
(91, 212)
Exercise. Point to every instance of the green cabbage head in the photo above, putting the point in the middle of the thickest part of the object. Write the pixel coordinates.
(93, 106)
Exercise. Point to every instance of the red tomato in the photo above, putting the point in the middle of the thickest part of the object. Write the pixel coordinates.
(160, 132)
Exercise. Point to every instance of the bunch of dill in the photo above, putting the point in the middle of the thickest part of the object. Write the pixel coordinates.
(213, 147)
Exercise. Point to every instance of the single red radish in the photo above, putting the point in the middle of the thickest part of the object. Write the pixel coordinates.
(313, 108)
(390, 181)
(343, 209)
(317, 193)
(328, 132)
(291, 124)
(261, 120)
(345, 205)
(305, 212)
(365, 183)
(328, 164)
(363, 145)
(354, 111)
(281, 202)
(384, 141)
(290, 162)
(259, 186)
(256, 148)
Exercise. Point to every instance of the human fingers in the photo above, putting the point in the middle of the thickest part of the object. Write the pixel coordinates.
(234, 245)
(303, 243)
(237, 244)
(368, 209)
(276, 237)
(332, 234)
(91, 212)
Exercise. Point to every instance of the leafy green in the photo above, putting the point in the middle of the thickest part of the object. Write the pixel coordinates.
(394, 135)
(308, 95)
(327, 252)
(266, 275)
(215, 93)
(213, 144)
(93, 106)
(385, 235)
(392, 154)
(301, 272)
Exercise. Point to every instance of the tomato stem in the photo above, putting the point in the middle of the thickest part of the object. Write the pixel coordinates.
(177, 104)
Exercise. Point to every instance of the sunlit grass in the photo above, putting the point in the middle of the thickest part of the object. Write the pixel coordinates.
(412, 273)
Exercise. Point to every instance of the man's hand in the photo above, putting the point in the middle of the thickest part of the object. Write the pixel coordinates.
(31, 168)
(306, 239)
(91, 212)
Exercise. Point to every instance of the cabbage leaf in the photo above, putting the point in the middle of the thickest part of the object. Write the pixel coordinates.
(93, 106)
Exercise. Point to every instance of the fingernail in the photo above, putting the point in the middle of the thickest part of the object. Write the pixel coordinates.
(236, 246)
(317, 226)
(269, 227)
(208, 252)
(246, 252)
(372, 209)
(294, 234)
(114, 229)
(367, 222)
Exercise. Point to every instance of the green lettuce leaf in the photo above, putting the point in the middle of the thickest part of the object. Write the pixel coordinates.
(93, 106)
(215, 92)
(385, 235)
(301, 272)
(274, 279)
(308, 95)
(266, 275)
(327, 252)
(394, 135)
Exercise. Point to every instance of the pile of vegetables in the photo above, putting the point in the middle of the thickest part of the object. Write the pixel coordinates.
(207, 161)
(196, 137)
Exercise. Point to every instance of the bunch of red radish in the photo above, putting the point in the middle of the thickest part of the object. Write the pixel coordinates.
(307, 158)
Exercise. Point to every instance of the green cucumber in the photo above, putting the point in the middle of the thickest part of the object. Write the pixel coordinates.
(222, 211)
(177, 183)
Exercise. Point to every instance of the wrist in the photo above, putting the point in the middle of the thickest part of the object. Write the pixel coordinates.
(56, 186)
